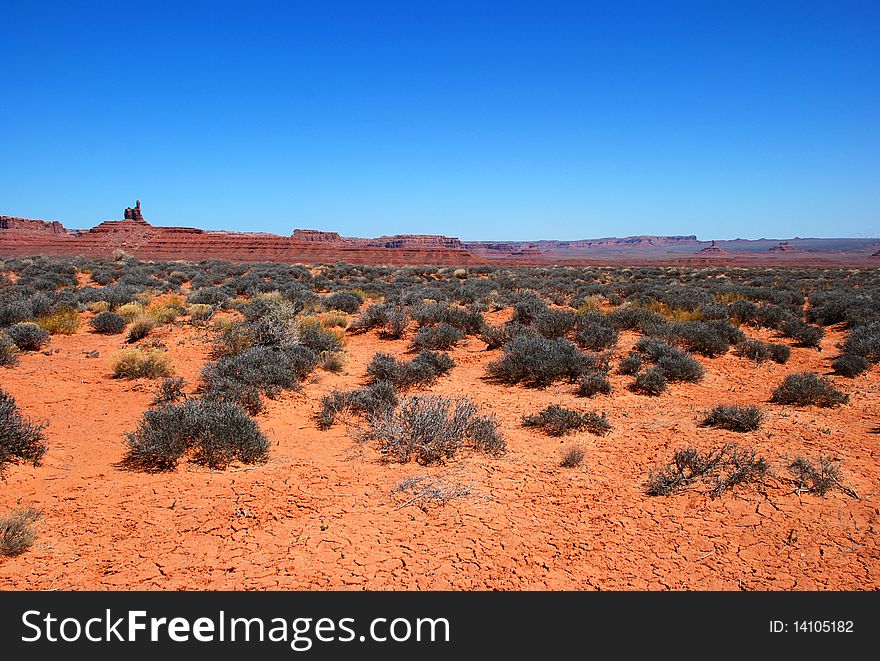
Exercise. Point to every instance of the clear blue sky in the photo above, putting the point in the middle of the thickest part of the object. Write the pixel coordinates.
(509, 120)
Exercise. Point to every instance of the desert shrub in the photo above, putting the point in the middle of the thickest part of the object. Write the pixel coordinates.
(753, 350)
(367, 400)
(681, 366)
(554, 323)
(140, 327)
(779, 353)
(246, 395)
(650, 382)
(345, 301)
(676, 365)
(817, 477)
(277, 326)
(332, 361)
(595, 383)
(596, 332)
(556, 420)
(442, 337)
(334, 320)
(395, 324)
(65, 321)
(804, 335)
(711, 338)
(537, 361)
(850, 366)
(469, 320)
(108, 323)
(375, 316)
(317, 338)
(722, 469)
(20, 439)
(635, 318)
(654, 348)
(496, 337)
(864, 341)
(170, 391)
(572, 457)
(212, 433)
(98, 307)
(806, 388)
(266, 368)
(432, 429)
(27, 336)
(233, 339)
(130, 311)
(200, 312)
(8, 351)
(16, 532)
(214, 296)
(165, 314)
(422, 370)
(734, 418)
(631, 364)
(135, 363)
(528, 309)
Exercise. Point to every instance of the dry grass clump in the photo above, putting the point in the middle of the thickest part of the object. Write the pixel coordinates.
(135, 363)
(65, 321)
(140, 327)
(572, 457)
(130, 310)
(16, 531)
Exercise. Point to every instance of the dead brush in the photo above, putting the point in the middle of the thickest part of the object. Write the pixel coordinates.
(723, 469)
(818, 478)
(423, 491)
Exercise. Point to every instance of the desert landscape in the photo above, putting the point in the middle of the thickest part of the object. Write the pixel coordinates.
(300, 423)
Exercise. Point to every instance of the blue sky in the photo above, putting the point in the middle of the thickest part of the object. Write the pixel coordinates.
(513, 120)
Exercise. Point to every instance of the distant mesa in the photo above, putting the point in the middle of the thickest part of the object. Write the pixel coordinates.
(784, 246)
(713, 249)
(876, 254)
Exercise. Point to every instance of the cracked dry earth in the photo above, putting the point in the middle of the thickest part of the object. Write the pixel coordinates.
(322, 513)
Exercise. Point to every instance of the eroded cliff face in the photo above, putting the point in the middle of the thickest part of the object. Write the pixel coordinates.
(31, 225)
(136, 236)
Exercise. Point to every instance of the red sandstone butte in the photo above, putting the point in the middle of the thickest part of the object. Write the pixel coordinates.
(784, 246)
(713, 250)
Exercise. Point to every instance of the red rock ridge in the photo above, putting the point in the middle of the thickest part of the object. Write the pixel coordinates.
(31, 225)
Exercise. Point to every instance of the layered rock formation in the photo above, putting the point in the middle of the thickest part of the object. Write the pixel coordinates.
(317, 236)
(31, 225)
(713, 249)
(134, 235)
(784, 246)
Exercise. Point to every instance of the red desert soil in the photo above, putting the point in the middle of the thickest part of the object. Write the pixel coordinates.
(321, 513)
